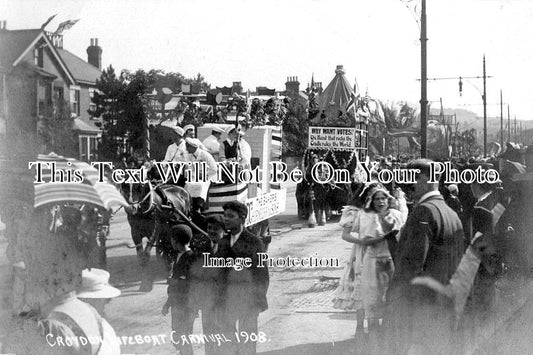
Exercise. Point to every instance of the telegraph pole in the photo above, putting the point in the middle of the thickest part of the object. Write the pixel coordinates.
(508, 124)
(515, 128)
(484, 109)
(423, 86)
(501, 119)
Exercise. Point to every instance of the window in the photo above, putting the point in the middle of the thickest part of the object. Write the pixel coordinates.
(44, 98)
(92, 106)
(88, 147)
(84, 149)
(38, 56)
(75, 101)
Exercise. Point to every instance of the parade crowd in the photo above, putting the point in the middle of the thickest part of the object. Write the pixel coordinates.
(425, 259)
(421, 274)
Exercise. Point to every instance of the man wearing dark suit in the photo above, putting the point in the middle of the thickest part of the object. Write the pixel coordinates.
(244, 292)
(431, 244)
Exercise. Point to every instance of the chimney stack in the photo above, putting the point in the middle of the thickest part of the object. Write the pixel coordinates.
(237, 87)
(292, 86)
(94, 54)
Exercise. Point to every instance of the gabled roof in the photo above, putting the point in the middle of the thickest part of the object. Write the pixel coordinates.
(81, 70)
(16, 44)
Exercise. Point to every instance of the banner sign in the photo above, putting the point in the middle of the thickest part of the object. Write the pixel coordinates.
(336, 138)
(265, 206)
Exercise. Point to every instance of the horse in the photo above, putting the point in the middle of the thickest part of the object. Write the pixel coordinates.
(323, 199)
(152, 213)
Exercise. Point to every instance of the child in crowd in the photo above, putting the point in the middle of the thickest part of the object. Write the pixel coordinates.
(178, 288)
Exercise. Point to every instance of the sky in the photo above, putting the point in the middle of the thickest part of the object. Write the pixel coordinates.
(262, 42)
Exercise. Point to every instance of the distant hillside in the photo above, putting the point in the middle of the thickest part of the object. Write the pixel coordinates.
(468, 120)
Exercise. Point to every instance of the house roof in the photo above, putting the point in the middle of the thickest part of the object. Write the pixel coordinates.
(14, 43)
(80, 125)
(80, 69)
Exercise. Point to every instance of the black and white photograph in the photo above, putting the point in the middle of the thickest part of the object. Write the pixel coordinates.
(266, 177)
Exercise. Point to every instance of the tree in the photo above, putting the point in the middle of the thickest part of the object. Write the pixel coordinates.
(295, 129)
(119, 103)
(55, 129)
(399, 116)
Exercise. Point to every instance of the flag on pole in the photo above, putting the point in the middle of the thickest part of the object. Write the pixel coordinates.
(48, 21)
(63, 26)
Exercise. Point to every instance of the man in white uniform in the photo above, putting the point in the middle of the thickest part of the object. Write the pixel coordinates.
(245, 151)
(176, 151)
(212, 143)
(198, 185)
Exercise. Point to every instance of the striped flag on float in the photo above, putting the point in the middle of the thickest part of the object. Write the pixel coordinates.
(221, 194)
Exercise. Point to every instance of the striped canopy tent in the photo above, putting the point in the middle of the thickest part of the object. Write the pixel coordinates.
(102, 194)
(338, 97)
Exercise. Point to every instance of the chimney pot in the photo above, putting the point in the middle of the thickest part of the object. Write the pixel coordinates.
(94, 54)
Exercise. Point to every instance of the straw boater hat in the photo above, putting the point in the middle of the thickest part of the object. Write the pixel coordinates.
(95, 284)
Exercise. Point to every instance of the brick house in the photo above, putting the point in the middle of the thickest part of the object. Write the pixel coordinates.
(36, 73)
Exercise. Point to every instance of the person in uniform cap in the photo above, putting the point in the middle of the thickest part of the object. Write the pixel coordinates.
(175, 151)
(245, 150)
(431, 244)
(235, 148)
(189, 131)
(198, 185)
(195, 154)
(212, 142)
(228, 149)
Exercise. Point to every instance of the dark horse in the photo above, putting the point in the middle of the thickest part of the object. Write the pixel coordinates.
(153, 212)
(324, 198)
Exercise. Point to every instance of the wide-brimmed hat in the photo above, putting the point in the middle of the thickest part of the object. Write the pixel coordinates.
(95, 284)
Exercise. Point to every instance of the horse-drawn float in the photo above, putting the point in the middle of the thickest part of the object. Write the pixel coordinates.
(338, 139)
